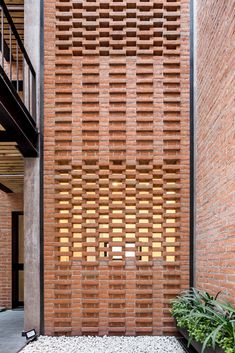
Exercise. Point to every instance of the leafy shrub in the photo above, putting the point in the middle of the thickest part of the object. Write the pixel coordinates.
(206, 319)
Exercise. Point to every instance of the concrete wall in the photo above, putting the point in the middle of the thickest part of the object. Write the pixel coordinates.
(32, 182)
(8, 204)
(215, 154)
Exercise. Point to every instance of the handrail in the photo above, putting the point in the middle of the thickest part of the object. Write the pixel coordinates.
(16, 34)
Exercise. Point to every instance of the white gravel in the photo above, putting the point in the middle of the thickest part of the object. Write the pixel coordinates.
(88, 344)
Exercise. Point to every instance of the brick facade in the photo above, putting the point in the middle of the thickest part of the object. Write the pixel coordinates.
(8, 204)
(116, 165)
(215, 162)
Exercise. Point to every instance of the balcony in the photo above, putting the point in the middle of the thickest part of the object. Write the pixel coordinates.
(17, 89)
(18, 130)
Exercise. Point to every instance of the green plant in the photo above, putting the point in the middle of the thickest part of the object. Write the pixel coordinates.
(206, 319)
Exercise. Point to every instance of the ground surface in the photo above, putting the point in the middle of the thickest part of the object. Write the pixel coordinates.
(11, 327)
(144, 344)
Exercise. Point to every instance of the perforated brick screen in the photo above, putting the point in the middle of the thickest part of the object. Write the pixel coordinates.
(116, 164)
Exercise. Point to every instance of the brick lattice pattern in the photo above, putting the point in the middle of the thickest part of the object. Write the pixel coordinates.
(116, 164)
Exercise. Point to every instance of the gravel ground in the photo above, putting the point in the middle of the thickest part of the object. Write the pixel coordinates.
(86, 344)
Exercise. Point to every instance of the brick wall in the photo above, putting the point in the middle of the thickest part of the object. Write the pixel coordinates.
(8, 204)
(116, 165)
(215, 179)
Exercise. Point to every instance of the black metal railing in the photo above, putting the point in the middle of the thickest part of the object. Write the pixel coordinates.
(15, 61)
